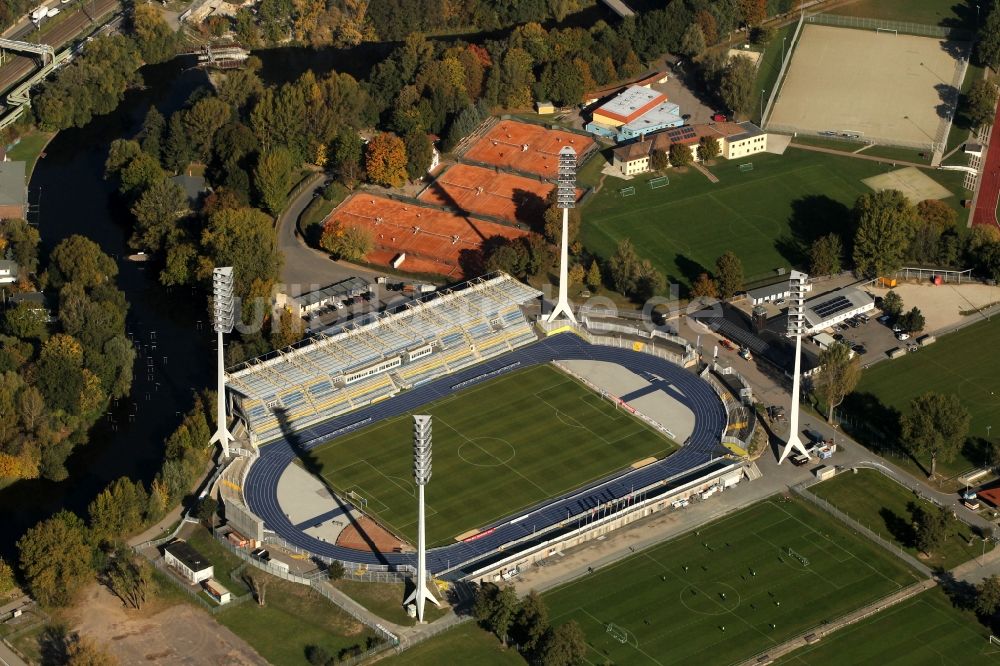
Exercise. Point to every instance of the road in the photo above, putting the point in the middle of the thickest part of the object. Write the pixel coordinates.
(306, 269)
(18, 67)
(8, 658)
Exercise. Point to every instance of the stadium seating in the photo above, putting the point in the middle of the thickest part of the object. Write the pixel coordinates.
(294, 388)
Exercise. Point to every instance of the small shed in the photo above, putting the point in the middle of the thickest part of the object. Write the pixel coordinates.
(188, 562)
(544, 107)
(823, 340)
(215, 590)
(8, 271)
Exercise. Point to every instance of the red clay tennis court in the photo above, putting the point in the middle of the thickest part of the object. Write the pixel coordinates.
(526, 147)
(432, 239)
(482, 191)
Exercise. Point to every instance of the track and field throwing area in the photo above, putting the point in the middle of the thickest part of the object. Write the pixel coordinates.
(432, 239)
(480, 191)
(875, 86)
(526, 147)
(499, 447)
(729, 590)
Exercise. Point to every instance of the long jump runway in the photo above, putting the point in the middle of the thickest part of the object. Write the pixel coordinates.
(710, 421)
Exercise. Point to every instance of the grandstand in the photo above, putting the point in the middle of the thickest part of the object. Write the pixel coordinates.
(359, 365)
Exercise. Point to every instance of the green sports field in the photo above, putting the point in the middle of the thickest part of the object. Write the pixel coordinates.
(926, 630)
(964, 363)
(768, 216)
(500, 446)
(670, 604)
(928, 12)
(884, 506)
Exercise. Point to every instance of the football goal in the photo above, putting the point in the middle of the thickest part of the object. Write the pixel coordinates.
(656, 183)
(617, 633)
(627, 191)
(888, 31)
(801, 558)
(746, 167)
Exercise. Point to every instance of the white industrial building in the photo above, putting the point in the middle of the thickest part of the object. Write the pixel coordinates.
(188, 562)
(836, 306)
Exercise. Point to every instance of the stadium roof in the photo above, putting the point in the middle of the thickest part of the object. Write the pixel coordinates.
(352, 286)
(822, 309)
(631, 103)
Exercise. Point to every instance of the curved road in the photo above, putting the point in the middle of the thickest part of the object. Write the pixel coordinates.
(710, 420)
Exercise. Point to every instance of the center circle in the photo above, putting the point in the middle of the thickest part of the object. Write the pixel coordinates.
(710, 598)
(486, 451)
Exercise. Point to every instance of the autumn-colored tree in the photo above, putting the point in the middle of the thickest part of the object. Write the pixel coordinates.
(594, 275)
(385, 160)
(576, 274)
(754, 11)
(350, 242)
(709, 26)
(705, 287)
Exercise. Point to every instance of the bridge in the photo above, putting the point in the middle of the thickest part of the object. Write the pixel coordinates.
(29, 47)
(222, 57)
(620, 8)
(19, 99)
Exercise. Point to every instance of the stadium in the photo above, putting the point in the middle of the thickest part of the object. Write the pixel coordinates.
(533, 454)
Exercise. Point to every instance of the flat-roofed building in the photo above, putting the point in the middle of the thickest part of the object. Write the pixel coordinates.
(836, 306)
(188, 562)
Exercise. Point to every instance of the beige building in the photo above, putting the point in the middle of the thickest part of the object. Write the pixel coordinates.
(735, 140)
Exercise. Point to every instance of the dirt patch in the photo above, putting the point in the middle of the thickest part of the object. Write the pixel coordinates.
(365, 534)
(528, 148)
(434, 238)
(178, 634)
(942, 305)
(911, 181)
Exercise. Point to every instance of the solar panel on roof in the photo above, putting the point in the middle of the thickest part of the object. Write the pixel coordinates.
(826, 309)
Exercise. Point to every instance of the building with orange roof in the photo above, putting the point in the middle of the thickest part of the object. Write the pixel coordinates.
(735, 140)
(633, 112)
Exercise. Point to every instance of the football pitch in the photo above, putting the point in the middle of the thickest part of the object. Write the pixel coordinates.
(767, 216)
(724, 593)
(500, 446)
(926, 629)
(963, 363)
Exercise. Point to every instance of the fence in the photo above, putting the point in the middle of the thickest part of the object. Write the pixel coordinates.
(781, 74)
(371, 573)
(906, 27)
(196, 592)
(621, 343)
(794, 130)
(893, 548)
(957, 277)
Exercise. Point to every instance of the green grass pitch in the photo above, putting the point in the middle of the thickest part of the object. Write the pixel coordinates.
(964, 363)
(767, 216)
(673, 600)
(499, 447)
(926, 630)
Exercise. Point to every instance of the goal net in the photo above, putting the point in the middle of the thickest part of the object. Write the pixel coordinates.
(746, 167)
(890, 31)
(655, 183)
(617, 633)
(627, 191)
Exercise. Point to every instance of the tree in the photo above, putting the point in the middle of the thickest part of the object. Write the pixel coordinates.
(729, 273)
(244, 239)
(693, 42)
(937, 213)
(156, 41)
(79, 259)
(117, 510)
(202, 121)
(531, 622)
(553, 223)
(736, 87)
(935, 426)
(624, 266)
(705, 287)
(127, 576)
(258, 586)
(892, 304)
(563, 82)
(82, 651)
(156, 213)
(980, 102)
(140, 173)
(565, 646)
(932, 528)
(207, 508)
(988, 42)
(273, 178)
(419, 153)
(153, 133)
(385, 160)
(885, 223)
(659, 160)
(318, 656)
(25, 321)
(913, 321)
(576, 274)
(839, 375)
(336, 570)
(753, 11)
(55, 558)
(988, 596)
(495, 609)
(824, 255)
(680, 155)
(594, 275)
(708, 148)
(350, 242)
(7, 581)
(286, 329)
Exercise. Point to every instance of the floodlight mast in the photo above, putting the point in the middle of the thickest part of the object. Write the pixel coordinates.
(798, 283)
(421, 475)
(565, 199)
(223, 305)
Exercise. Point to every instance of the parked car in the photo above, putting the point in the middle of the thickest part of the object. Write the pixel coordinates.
(902, 335)
(799, 460)
(719, 117)
(884, 319)
(745, 353)
(860, 350)
(863, 318)
(726, 344)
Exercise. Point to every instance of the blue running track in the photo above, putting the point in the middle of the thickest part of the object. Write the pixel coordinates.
(261, 488)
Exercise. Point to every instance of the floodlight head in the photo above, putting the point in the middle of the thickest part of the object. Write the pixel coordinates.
(421, 449)
(566, 189)
(223, 301)
(798, 282)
